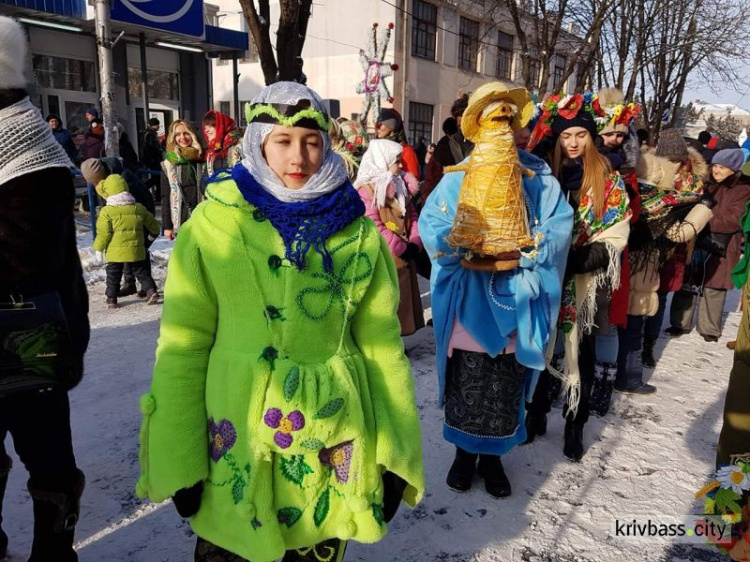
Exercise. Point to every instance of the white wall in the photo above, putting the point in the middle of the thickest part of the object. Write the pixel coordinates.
(336, 32)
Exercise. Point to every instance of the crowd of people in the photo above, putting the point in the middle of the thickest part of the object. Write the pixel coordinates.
(282, 418)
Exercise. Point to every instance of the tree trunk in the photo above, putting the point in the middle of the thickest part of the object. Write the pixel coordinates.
(259, 26)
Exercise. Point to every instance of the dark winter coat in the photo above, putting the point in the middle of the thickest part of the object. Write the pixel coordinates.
(730, 206)
(442, 157)
(127, 153)
(38, 245)
(65, 139)
(152, 152)
(135, 186)
(93, 146)
(190, 178)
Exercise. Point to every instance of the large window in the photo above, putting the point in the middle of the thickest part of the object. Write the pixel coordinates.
(161, 84)
(225, 108)
(424, 30)
(535, 67)
(420, 122)
(558, 72)
(64, 74)
(468, 44)
(504, 55)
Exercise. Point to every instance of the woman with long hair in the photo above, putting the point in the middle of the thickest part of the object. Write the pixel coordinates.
(583, 360)
(182, 178)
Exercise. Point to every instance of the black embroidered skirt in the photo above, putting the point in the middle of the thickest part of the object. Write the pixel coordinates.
(483, 398)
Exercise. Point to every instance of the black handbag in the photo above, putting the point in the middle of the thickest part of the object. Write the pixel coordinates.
(36, 348)
(715, 243)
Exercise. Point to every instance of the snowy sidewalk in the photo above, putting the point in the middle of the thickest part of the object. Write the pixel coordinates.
(647, 456)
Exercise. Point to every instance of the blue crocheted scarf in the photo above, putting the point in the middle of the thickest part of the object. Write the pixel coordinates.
(304, 224)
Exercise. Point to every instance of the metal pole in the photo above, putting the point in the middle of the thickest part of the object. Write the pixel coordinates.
(106, 76)
(144, 79)
(236, 86)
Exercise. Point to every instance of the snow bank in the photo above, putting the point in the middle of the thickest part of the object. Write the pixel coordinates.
(94, 266)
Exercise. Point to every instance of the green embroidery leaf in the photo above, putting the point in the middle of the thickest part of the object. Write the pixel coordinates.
(314, 444)
(377, 513)
(726, 501)
(295, 469)
(291, 384)
(322, 507)
(238, 490)
(288, 516)
(329, 409)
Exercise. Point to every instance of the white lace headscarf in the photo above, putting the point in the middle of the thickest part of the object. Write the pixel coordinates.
(332, 172)
(375, 170)
(26, 142)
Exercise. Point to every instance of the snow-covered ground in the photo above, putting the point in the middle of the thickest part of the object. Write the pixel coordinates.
(645, 458)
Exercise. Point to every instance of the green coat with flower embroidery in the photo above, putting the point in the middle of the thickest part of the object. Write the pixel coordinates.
(286, 392)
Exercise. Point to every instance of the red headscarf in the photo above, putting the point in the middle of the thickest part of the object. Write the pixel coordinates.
(227, 134)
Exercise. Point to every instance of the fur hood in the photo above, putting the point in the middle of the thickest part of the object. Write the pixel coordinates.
(663, 172)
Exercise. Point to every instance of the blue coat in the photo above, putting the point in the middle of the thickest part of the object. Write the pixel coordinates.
(66, 141)
(529, 296)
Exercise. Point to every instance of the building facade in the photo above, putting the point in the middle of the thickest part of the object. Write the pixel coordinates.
(65, 67)
(442, 48)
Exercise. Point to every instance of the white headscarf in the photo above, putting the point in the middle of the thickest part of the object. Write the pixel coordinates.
(375, 169)
(332, 172)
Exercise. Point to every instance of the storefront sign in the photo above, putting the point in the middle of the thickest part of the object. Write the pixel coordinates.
(175, 16)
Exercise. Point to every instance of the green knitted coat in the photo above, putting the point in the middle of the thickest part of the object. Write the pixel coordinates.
(119, 229)
(286, 392)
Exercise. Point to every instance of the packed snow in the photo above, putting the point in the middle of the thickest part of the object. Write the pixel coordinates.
(646, 458)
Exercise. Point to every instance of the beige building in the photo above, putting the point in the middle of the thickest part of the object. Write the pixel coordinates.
(442, 47)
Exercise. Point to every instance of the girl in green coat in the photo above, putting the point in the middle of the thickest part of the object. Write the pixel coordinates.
(119, 234)
(282, 416)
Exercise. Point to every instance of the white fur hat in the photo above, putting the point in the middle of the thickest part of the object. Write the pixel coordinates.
(13, 54)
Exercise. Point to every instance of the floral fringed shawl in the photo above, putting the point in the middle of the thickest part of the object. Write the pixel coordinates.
(579, 291)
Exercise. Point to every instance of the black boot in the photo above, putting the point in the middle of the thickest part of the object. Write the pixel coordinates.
(462, 471)
(630, 375)
(536, 425)
(127, 289)
(5, 464)
(496, 483)
(55, 517)
(573, 448)
(601, 390)
(647, 355)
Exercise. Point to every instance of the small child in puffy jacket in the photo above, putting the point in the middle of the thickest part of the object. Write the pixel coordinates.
(120, 235)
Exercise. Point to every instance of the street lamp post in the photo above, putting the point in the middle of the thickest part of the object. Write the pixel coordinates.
(106, 76)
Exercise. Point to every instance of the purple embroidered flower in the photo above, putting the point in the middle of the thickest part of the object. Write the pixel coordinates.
(338, 457)
(223, 437)
(275, 419)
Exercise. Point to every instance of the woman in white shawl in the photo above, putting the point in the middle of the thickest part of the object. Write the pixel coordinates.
(387, 192)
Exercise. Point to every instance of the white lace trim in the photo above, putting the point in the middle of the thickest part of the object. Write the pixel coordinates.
(332, 172)
(26, 142)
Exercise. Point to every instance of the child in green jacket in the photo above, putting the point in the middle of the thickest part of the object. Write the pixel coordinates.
(282, 416)
(119, 233)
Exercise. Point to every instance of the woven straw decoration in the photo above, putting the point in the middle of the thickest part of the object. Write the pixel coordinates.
(491, 218)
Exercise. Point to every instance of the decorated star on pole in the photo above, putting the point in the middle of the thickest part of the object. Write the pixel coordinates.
(373, 84)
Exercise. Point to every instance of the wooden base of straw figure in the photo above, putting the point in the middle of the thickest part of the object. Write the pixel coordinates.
(491, 221)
